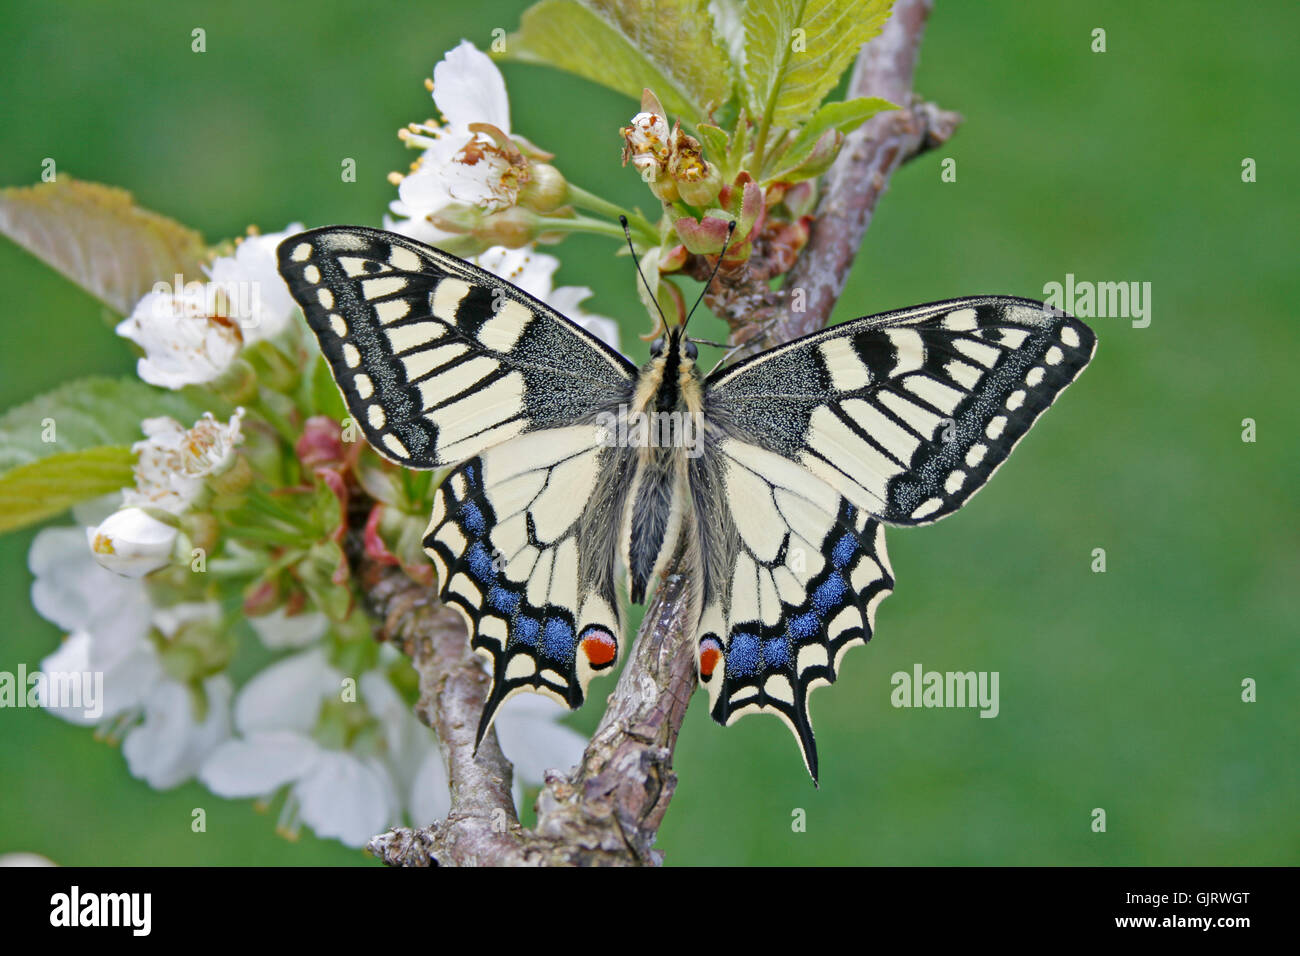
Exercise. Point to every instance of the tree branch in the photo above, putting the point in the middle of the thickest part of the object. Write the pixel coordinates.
(608, 809)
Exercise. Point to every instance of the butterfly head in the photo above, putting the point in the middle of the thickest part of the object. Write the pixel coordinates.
(674, 341)
(671, 380)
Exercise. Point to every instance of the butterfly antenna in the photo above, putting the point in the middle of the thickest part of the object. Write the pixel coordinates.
(653, 298)
(731, 229)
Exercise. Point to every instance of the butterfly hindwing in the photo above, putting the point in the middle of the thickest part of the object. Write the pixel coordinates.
(909, 413)
(792, 575)
(524, 547)
(436, 358)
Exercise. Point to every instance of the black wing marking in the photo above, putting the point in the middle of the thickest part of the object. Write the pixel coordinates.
(438, 359)
(908, 413)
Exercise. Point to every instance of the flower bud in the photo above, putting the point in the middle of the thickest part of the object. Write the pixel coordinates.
(238, 383)
(513, 227)
(235, 479)
(457, 217)
(191, 643)
(132, 543)
(546, 190)
(703, 186)
(321, 443)
(272, 367)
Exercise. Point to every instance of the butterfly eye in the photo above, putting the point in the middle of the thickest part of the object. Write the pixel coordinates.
(657, 348)
(692, 350)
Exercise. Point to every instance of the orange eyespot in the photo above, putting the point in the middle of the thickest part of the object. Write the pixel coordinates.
(710, 654)
(600, 647)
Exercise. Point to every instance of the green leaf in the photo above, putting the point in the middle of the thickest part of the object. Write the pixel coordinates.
(844, 116)
(100, 239)
(42, 489)
(87, 413)
(714, 140)
(628, 46)
(795, 51)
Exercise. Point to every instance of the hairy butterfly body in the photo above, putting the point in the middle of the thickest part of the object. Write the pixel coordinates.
(769, 481)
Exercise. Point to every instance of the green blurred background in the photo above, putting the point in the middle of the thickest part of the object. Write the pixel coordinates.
(1118, 690)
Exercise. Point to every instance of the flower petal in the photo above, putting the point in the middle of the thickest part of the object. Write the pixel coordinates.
(527, 268)
(75, 593)
(286, 695)
(280, 630)
(533, 741)
(468, 88)
(171, 744)
(346, 798)
(430, 793)
(132, 543)
(259, 764)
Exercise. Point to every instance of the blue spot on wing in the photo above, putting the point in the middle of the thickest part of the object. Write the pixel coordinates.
(804, 625)
(480, 563)
(472, 518)
(742, 655)
(557, 639)
(524, 631)
(844, 550)
(503, 599)
(776, 652)
(830, 593)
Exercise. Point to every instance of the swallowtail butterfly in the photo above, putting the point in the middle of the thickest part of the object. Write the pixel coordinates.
(772, 479)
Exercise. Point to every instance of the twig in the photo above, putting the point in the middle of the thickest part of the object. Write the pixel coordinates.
(608, 810)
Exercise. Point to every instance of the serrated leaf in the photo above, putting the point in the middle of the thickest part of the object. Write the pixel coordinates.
(715, 141)
(42, 489)
(795, 51)
(100, 239)
(86, 413)
(628, 46)
(813, 163)
(843, 117)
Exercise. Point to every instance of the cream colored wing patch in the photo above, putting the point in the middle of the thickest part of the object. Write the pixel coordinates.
(436, 358)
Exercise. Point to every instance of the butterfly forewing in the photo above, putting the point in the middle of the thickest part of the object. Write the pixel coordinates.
(436, 358)
(908, 413)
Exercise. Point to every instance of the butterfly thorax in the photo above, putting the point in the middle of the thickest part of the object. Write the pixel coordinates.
(664, 428)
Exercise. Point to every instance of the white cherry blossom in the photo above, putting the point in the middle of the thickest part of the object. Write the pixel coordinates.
(458, 165)
(168, 728)
(132, 542)
(173, 460)
(190, 335)
(186, 339)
